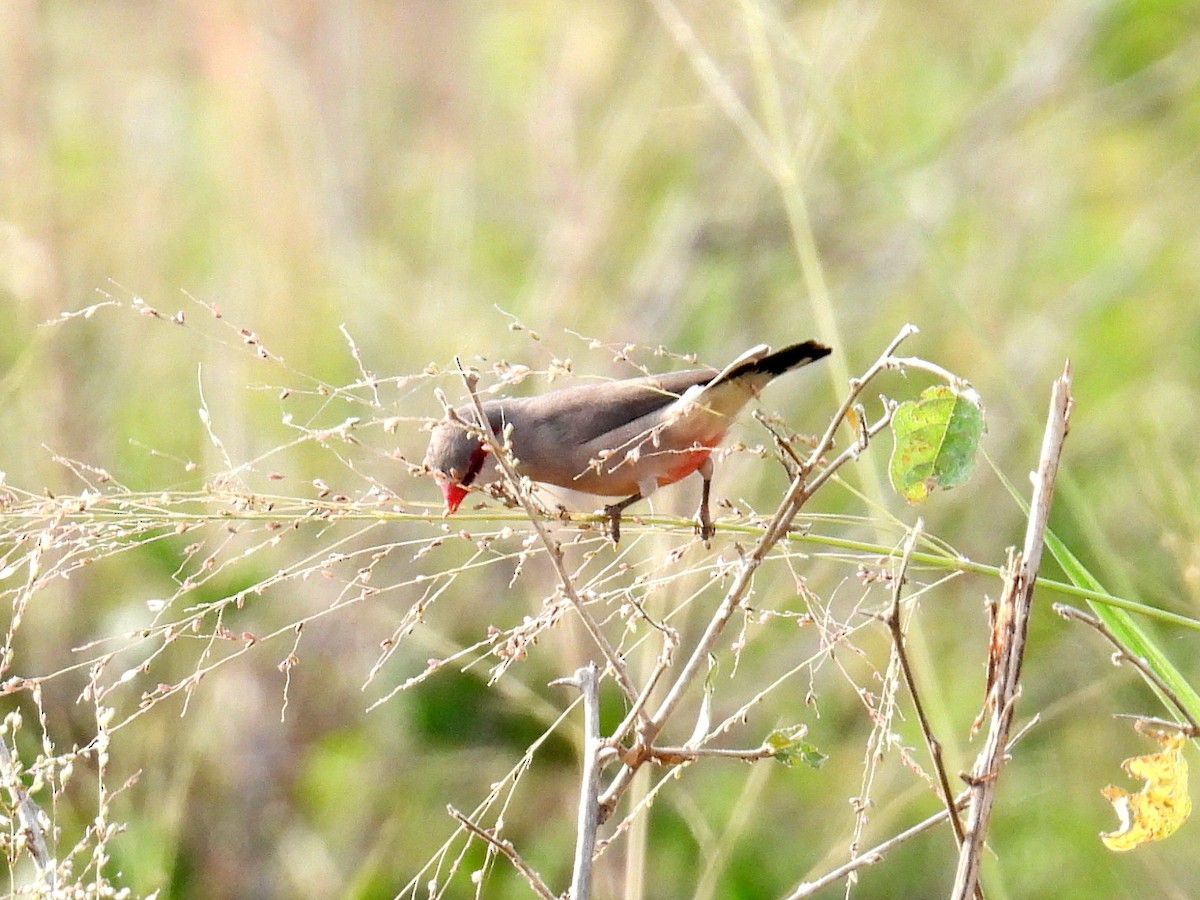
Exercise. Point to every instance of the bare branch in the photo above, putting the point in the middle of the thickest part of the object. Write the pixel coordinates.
(673, 756)
(1123, 655)
(924, 365)
(897, 629)
(507, 849)
(587, 680)
(1015, 606)
(636, 711)
(874, 855)
(802, 487)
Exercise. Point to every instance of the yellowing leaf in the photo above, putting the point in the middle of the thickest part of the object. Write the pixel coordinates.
(1162, 805)
(937, 437)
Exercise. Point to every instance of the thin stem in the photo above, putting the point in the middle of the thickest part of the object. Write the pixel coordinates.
(874, 855)
(801, 490)
(151, 514)
(507, 849)
(615, 663)
(635, 713)
(798, 493)
(924, 365)
(1123, 655)
(1009, 633)
(675, 755)
(896, 627)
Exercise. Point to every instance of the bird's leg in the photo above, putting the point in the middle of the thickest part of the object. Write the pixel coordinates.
(614, 510)
(703, 517)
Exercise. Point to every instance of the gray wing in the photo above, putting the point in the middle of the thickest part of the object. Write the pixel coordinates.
(585, 413)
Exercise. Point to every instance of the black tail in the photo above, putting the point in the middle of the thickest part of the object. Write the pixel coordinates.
(783, 360)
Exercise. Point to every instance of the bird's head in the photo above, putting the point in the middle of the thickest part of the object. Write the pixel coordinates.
(455, 457)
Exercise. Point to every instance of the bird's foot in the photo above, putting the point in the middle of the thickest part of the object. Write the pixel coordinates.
(704, 523)
(614, 521)
(613, 511)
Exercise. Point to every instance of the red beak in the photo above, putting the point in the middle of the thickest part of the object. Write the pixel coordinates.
(454, 494)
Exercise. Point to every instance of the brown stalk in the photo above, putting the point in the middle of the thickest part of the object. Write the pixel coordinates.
(1015, 606)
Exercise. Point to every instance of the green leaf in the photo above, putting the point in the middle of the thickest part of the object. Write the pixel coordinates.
(1136, 640)
(788, 746)
(937, 438)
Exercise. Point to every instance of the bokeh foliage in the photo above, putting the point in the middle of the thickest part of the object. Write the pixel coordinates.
(1019, 180)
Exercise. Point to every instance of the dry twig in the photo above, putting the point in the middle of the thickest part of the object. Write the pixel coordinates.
(896, 627)
(587, 679)
(803, 486)
(1015, 606)
(1123, 655)
(875, 854)
(508, 851)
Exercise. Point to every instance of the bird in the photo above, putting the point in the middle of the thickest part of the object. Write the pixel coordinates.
(623, 438)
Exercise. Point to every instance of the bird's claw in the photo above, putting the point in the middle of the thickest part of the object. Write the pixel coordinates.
(614, 521)
(704, 523)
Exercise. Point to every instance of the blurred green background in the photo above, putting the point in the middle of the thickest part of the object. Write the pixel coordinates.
(1020, 180)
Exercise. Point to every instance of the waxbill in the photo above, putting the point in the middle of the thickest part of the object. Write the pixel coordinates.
(616, 438)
